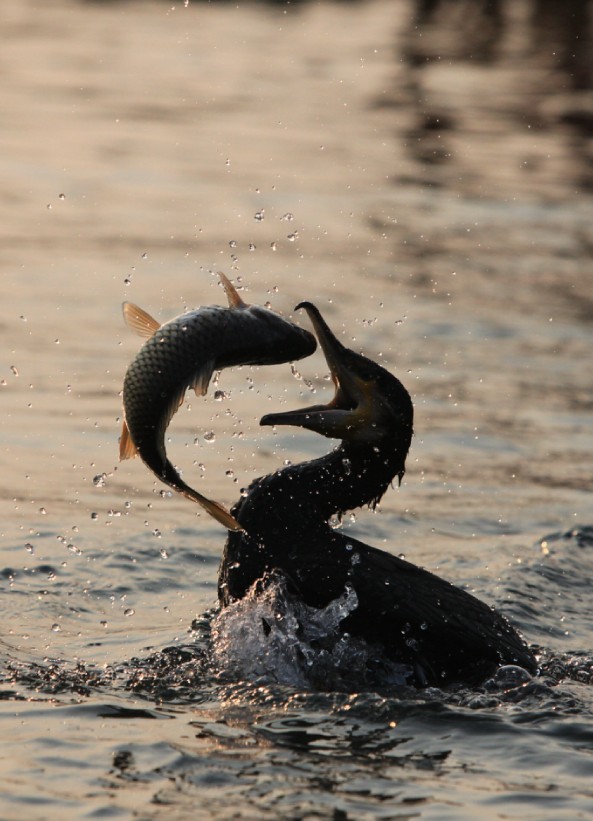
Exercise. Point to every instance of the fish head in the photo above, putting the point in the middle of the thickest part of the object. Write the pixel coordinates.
(275, 338)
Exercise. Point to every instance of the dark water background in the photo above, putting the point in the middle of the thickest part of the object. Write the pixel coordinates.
(423, 172)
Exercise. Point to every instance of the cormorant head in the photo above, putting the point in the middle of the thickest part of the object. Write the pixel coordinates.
(369, 406)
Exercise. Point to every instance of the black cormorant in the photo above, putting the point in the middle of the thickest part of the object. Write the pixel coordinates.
(414, 617)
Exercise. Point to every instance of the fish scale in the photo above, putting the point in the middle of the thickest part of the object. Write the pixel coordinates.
(183, 353)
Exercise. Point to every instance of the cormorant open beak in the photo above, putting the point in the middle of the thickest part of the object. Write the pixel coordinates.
(356, 406)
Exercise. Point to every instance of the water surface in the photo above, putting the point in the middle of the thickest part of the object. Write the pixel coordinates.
(434, 201)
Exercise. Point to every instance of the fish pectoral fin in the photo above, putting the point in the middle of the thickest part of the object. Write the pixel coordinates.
(173, 407)
(202, 377)
(127, 449)
(139, 321)
(232, 295)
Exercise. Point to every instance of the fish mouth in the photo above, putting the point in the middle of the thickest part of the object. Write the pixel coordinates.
(353, 406)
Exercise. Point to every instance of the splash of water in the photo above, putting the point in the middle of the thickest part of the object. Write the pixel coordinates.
(271, 636)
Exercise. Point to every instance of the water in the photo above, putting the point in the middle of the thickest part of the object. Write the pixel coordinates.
(436, 205)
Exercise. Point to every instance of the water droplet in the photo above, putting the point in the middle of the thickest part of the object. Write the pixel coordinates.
(74, 549)
(103, 623)
(210, 436)
(273, 246)
(62, 196)
(29, 548)
(293, 236)
(232, 244)
(156, 532)
(252, 246)
(43, 511)
(55, 628)
(99, 480)
(220, 395)
(14, 369)
(94, 516)
(349, 546)
(259, 215)
(229, 473)
(129, 611)
(164, 554)
(287, 217)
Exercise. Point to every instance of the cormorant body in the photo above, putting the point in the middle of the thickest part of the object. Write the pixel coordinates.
(444, 633)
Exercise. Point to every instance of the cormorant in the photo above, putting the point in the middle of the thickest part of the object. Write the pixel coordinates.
(416, 618)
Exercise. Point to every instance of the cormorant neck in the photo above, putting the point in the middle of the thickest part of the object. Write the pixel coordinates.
(300, 497)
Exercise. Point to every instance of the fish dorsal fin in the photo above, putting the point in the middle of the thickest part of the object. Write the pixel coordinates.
(233, 297)
(127, 449)
(139, 321)
(202, 377)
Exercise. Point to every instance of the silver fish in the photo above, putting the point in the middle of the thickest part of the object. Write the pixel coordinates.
(183, 353)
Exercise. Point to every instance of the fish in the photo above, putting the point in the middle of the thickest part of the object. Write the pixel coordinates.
(183, 353)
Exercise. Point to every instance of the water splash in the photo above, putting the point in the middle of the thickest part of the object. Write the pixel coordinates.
(271, 636)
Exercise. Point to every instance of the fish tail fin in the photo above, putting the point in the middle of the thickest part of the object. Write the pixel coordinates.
(127, 449)
(216, 510)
